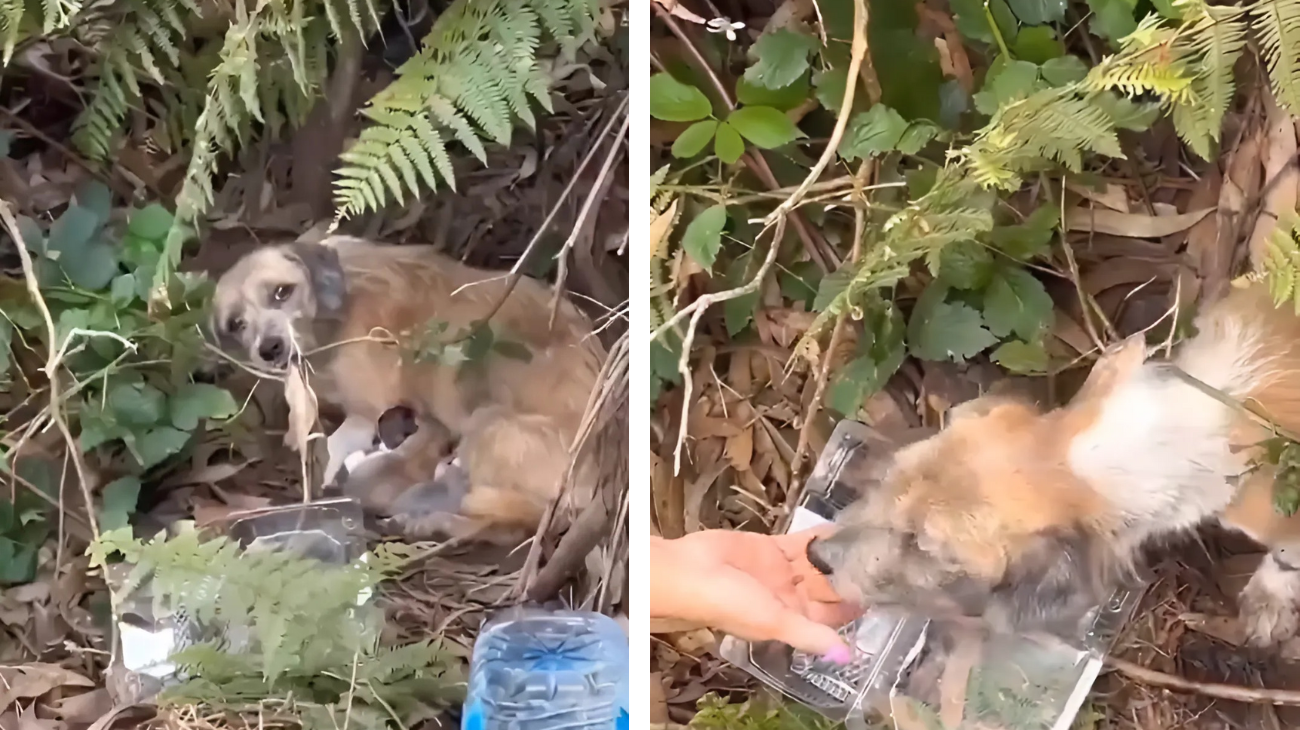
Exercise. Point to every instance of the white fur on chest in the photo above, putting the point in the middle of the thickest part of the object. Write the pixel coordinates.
(1160, 453)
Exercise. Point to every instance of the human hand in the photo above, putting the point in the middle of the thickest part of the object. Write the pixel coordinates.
(756, 587)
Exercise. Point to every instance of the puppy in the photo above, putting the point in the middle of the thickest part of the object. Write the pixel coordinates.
(515, 418)
(1029, 518)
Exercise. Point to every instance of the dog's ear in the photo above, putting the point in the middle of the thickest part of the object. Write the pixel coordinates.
(326, 273)
(1051, 585)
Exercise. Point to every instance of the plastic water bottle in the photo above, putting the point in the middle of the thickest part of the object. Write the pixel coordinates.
(537, 669)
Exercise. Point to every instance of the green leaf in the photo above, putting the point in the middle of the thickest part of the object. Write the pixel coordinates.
(703, 237)
(479, 343)
(881, 351)
(737, 313)
(832, 286)
(1007, 81)
(151, 222)
(964, 265)
(1037, 12)
(1030, 239)
(1016, 302)
(1038, 44)
(782, 58)
(195, 401)
(159, 443)
(764, 126)
(969, 17)
(17, 562)
(136, 404)
(513, 350)
(6, 341)
(799, 282)
(1021, 357)
(784, 98)
(1112, 19)
(1126, 113)
(119, 501)
(728, 145)
(950, 331)
(123, 290)
(830, 87)
(690, 142)
(94, 196)
(881, 130)
(92, 268)
(72, 232)
(1063, 70)
(673, 101)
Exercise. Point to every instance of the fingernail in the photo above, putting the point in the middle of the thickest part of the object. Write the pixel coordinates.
(838, 655)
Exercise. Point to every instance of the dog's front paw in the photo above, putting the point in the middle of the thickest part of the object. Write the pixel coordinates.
(1270, 604)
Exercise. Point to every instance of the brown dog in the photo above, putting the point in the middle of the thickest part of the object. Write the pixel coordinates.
(515, 417)
(1028, 518)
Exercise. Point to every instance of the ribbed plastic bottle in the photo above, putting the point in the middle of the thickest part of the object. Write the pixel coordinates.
(539, 669)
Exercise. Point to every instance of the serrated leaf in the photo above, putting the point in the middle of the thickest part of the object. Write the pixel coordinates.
(1006, 82)
(135, 404)
(727, 144)
(1037, 12)
(119, 501)
(703, 237)
(1017, 302)
(1030, 239)
(694, 138)
(784, 98)
(1021, 357)
(1063, 70)
(1112, 19)
(964, 265)
(673, 101)
(764, 126)
(782, 58)
(881, 351)
(195, 401)
(157, 444)
(830, 87)
(873, 132)
(950, 331)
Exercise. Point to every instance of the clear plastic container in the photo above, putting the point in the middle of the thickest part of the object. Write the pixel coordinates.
(535, 669)
(927, 675)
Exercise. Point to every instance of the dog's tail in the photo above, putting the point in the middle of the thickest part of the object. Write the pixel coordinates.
(1249, 349)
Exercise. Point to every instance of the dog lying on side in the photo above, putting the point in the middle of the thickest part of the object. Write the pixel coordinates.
(514, 418)
(1029, 518)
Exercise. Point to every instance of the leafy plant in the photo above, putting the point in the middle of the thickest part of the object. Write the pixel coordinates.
(311, 644)
(717, 713)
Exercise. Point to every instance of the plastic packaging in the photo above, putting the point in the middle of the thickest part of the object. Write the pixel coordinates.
(923, 674)
(536, 669)
(328, 530)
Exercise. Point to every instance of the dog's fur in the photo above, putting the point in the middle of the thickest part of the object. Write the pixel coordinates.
(514, 419)
(1028, 518)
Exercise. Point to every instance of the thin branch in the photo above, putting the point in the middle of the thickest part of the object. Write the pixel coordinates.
(51, 363)
(73, 157)
(517, 271)
(1232, 692)
(859, 51)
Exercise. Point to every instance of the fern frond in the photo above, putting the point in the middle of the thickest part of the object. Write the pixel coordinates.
(1278, 24)
(95, 130)
(1280, 266)
(474, 79)
(11, 19)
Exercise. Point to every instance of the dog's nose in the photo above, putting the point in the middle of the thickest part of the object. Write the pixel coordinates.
(815, 556)
(271, 349)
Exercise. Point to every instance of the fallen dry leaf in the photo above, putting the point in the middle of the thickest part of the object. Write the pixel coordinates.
(740, 449)
(303, 410)
(658, 699)
(35, 679)
(660, 226)
(84, 708)
(1111, 195)
(1132, 225)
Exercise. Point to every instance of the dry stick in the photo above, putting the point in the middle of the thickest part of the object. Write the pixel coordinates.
(517, 271)
(756, 160)
(597, 191)
(823, 374)
(72, 157)
(51, 362)
(1208, 689)
(859, 51)
(698, 308)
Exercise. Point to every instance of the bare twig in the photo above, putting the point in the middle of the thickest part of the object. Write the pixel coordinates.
(517, 271)
(71, 156)
(51, 363)
(696, 309)
(597, 192)
(859, 51)
(1208, 689)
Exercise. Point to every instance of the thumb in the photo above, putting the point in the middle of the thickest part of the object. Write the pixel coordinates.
(812, 637)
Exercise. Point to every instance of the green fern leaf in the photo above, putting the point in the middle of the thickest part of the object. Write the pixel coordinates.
(1278, 25)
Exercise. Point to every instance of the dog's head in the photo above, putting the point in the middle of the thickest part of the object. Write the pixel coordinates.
(262, 303)
(985, 520)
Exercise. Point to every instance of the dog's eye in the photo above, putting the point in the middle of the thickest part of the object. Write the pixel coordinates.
(283, 292)
(234, 325)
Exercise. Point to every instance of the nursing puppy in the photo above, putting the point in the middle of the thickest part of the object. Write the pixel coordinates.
(514, 418)
(1028, 518)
